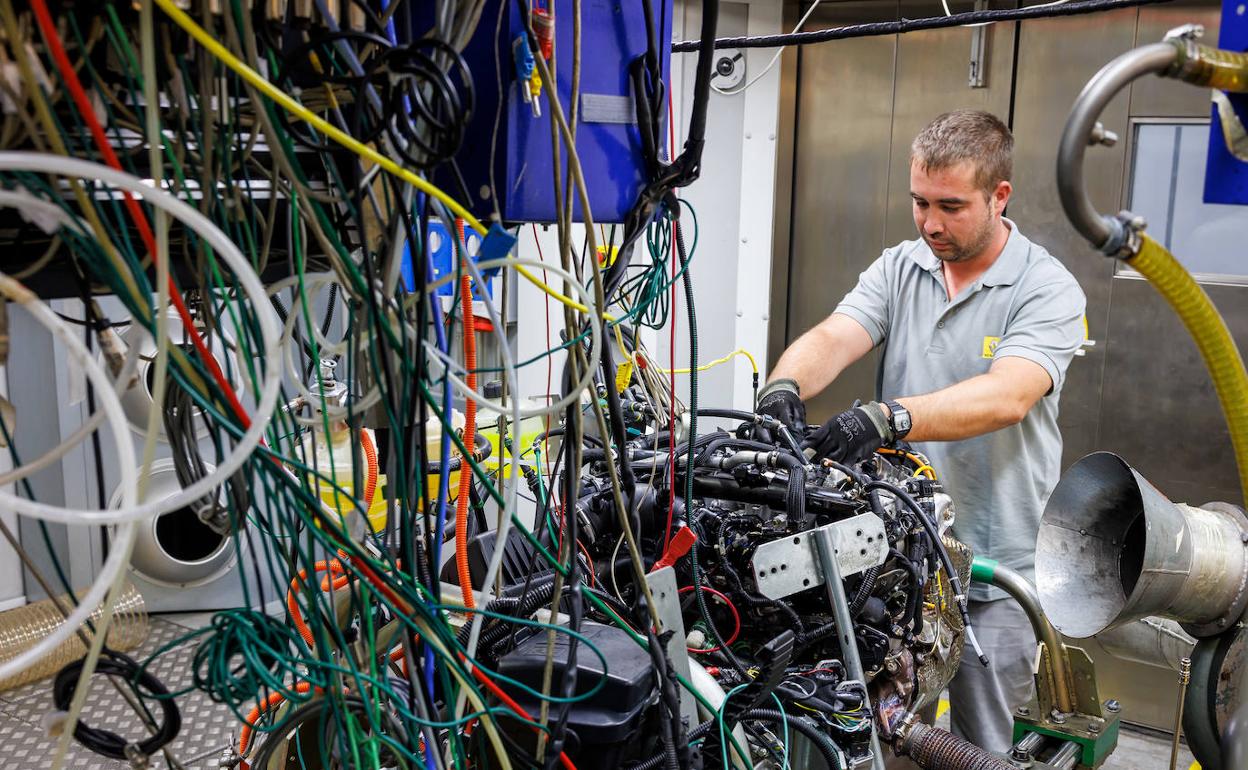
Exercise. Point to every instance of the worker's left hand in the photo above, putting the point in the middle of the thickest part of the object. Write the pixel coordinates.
(852, 435)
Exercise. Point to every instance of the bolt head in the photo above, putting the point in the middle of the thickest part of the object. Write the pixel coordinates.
(1023, 711)
(1058, 718)
(1094, 728)
(1113, 705)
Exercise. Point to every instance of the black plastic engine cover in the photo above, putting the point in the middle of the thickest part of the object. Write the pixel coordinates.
(601, 728)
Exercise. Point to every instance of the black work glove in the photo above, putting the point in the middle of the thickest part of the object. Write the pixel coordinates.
(851, 436)
(780, 399)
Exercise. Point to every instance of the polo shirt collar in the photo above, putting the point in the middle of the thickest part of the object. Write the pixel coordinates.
(1010, 263)
(1007, 268)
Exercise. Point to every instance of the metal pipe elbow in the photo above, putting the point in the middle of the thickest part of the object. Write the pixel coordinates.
(1104, 232)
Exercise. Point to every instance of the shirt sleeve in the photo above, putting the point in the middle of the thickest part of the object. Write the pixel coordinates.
(1047, 328)
(870, 301)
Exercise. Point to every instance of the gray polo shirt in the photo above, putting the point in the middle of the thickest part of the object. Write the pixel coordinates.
(1026, 305)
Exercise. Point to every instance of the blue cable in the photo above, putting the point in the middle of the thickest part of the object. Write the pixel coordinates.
(445, 459)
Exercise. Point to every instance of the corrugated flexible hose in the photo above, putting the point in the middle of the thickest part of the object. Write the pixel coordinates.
(934, 749)
(1208, 330)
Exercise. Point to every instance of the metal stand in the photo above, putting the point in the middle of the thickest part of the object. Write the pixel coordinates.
(844, 625)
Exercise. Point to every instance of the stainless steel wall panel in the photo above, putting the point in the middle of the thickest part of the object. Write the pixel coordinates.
(840, 179)
(932, 73)
(1055, 59)
(1158, 97)
(1159, 409)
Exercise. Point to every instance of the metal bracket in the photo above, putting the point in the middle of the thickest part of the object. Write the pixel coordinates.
(1093, 727)
(666, 595)
(978, 77)
(791, 564)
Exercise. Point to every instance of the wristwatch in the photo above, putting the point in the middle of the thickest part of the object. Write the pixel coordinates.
(898, 419)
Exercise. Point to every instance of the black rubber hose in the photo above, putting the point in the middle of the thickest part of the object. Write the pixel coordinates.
(827, 749)
(912, 25)
(105, 742)
(864, 590)
(653, 762)
(914, 597)
(539, 593)
(930, 528)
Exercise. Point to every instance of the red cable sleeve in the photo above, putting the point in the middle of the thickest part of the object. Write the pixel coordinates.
(57, 48)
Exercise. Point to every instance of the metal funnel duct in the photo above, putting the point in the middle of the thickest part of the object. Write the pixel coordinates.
(1112, 549)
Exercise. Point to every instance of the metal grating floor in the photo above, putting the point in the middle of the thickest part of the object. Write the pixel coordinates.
(207, 727)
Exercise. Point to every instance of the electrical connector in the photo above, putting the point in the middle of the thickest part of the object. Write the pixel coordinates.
(535, 91)
(544, 28)
(522, 59)
(681, 543)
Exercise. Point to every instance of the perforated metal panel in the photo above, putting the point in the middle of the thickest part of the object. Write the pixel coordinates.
(207, 727)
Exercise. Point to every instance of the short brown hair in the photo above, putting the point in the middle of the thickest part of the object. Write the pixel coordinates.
(967, 135)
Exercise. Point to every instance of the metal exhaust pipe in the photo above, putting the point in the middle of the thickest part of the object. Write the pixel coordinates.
(1112, 549)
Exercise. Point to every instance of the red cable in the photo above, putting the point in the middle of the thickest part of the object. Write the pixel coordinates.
(510, 703)
(83, 103)
(470, 427)
(736, 617)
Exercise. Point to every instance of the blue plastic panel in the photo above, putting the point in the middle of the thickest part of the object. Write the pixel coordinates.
(519, 153)
(442, 255)
(1226, 177)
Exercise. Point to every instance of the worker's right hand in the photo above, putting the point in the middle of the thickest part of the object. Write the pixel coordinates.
(780, 399)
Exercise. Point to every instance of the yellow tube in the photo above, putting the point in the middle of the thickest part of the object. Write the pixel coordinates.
(1210, 67)
(1207, 328)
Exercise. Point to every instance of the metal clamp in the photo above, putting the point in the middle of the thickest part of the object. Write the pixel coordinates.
(137, 759)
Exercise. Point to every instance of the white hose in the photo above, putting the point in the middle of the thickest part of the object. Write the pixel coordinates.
(119, 553)
(595, 347)
(88, 427)
(266, 316)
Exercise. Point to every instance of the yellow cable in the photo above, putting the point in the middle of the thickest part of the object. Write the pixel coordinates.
(292, 106)
(545, 287)
(926, 469)
(717, 362)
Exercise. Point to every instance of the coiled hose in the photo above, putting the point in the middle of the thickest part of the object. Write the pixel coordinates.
(934, 749)
(1208, 330)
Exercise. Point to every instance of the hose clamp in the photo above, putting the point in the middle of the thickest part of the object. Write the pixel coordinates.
(1125, 231)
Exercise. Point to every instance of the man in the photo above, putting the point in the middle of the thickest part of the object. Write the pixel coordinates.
(978, 326)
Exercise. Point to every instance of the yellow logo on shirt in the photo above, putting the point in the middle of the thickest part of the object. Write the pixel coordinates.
(990, 346)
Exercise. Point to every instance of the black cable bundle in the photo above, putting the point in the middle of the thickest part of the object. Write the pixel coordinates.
(427, 110)
(105, 742)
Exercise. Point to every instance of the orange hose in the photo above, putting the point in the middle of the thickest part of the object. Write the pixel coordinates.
(370, 460)
(244, 735)
(470, 425)
(292, 606)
